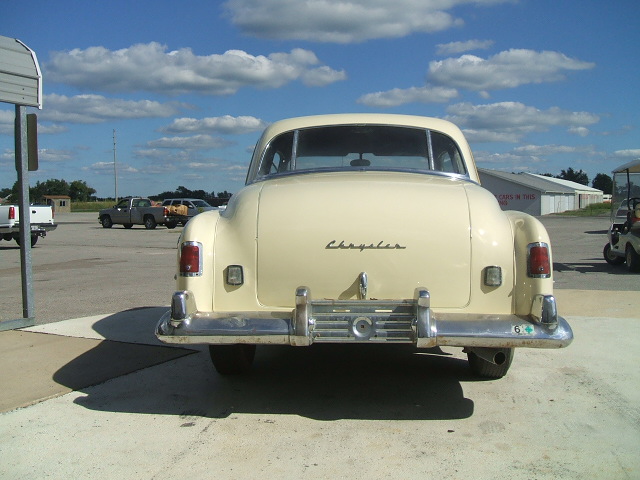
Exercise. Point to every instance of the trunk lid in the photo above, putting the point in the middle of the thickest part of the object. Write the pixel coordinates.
(404, 230)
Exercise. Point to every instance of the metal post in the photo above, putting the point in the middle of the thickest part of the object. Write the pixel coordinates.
(115, 170)
(28, 309)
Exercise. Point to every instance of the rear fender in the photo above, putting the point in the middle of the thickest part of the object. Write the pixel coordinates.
(200, 229)
(528, 230)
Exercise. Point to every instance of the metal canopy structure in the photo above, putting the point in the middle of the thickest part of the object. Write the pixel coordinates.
(21, 85)
(20, 77)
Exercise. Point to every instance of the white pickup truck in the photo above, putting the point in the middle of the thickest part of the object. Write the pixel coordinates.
(41, 218)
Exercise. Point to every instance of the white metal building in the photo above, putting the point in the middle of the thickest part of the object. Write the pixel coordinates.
(537, 194)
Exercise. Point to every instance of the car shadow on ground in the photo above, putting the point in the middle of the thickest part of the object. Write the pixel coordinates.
(595, 265)
(323, 382)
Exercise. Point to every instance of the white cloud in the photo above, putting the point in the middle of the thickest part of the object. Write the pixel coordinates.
(580, 131)
(455, 48)
(52, 155)
(7, 122)
(55, 155)
(322, 76)
(507, 69)
(96, 109)
(225, 124)
(510, 121)
(194, 142)
(630, 153)
(542, 150)
(399, 96)
(345, 21)
(106, 168)
(151, 67)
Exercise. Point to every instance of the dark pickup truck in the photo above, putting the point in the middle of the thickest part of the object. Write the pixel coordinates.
(139, 211)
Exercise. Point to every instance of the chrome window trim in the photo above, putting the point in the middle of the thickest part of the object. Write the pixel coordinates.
(255, 169)
(355, 171)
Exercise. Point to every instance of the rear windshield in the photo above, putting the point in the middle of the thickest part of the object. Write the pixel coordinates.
(378, 147)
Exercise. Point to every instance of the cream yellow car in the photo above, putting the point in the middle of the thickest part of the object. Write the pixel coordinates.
(364, 228)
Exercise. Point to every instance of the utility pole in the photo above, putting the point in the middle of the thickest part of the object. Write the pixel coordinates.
(115, 170)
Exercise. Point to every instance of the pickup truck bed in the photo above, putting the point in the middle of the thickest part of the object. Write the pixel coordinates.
(41, 219)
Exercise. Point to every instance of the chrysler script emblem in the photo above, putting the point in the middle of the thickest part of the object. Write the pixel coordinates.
(381, 245)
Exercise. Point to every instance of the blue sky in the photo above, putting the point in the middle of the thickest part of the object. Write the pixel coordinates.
(536, 85)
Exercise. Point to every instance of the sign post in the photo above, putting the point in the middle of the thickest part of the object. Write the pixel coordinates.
(21, 84)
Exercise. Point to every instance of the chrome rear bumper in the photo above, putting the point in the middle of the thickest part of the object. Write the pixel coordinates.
(369, 321)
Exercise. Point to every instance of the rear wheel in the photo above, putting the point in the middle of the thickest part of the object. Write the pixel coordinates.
(149, 222)
(232, 359)
(632, 259)
(34, 239)
(486, 369)
(611, 257)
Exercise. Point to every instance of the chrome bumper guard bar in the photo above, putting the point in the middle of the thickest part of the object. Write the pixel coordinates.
(371, 321)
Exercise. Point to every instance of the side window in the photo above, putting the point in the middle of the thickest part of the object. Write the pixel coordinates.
(277, 157)
(446, 156)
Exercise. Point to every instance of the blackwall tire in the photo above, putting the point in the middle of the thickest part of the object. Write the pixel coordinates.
(232, 359)
(106, 221)
(632, 259)
(34, 239)
(610, 257)
(485, 369)
(149, 223)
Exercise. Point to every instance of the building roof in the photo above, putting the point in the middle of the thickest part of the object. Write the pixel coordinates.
(540, 182)
(568, 183)
(53, 197)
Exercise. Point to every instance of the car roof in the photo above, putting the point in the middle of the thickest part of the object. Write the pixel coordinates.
(436, 124)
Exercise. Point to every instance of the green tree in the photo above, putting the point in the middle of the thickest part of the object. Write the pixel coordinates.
(79, 191)
(573, 176)
(5, 192)
(603, 182)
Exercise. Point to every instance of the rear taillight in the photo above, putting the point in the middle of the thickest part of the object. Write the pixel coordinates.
(539, 260)
(12, 213)
(165, 212)
(191, 259)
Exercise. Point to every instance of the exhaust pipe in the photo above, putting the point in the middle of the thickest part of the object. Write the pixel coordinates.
(492, 355)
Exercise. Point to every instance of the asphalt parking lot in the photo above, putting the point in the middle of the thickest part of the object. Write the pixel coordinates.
(89, 393)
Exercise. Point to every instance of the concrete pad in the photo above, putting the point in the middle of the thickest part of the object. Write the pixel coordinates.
(38, 366)
(598, 303)
(133, 326)
(331, 412)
